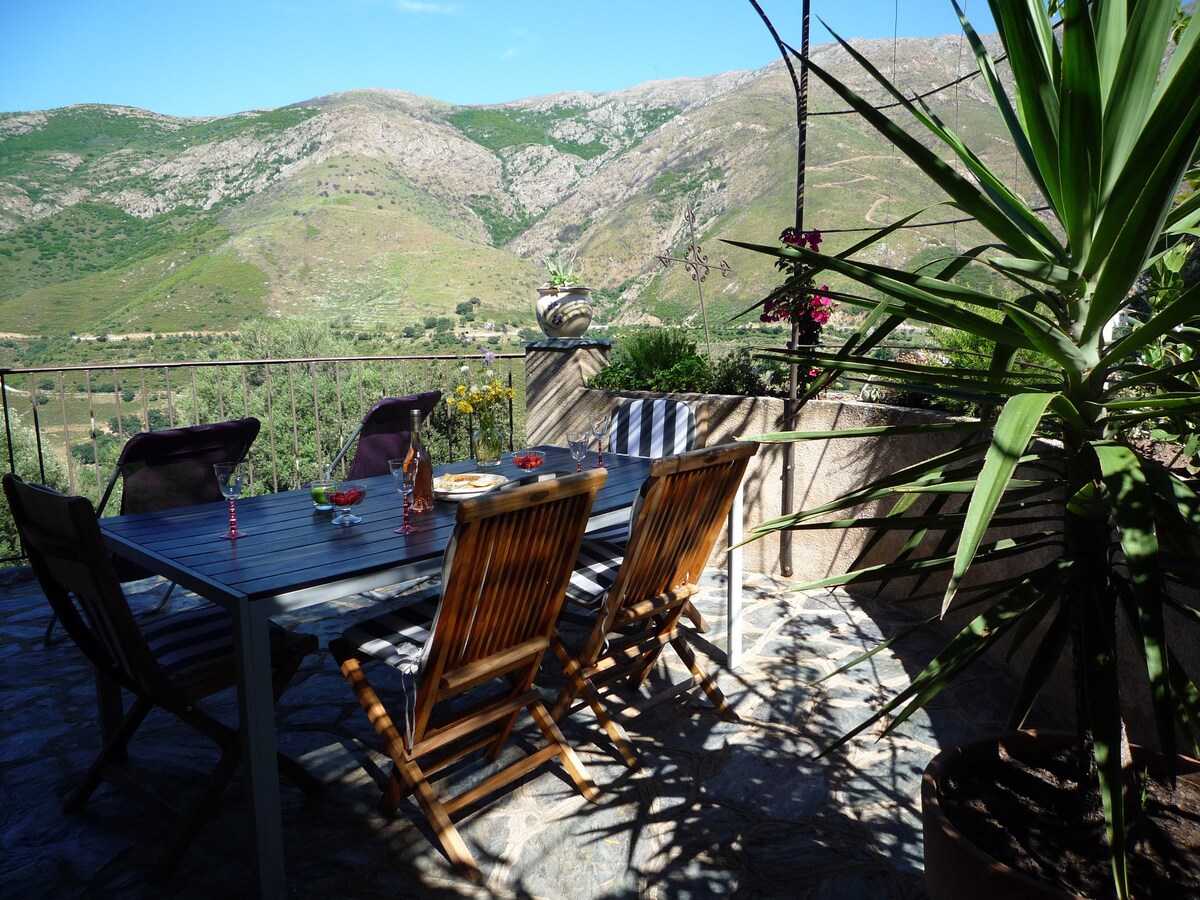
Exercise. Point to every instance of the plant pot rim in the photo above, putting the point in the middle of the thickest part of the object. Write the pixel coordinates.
(934, 816)
(562, 289)
(987, 868)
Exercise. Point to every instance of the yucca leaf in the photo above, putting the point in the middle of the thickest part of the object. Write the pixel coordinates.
(969, 197)
(1121, 470)
(1048, 338)
(1080, 163)
(997, 191)
(1104, 720)
(1032, 56)
(1015, 426)
(987, 69)
(1005, 548)
(1046, 657)
(1110, 21)
(1134, 212)
(1134, 76)
(874, 431)
(1059, 277)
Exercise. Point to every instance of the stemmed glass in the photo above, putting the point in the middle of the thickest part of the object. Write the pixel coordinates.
(600, 425)
(404, 484)
(345, 497)
(229, 480)
(577, 442)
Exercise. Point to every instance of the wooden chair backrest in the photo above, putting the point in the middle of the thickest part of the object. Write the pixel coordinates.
(513, 553)
(680, 514)
(62, 539)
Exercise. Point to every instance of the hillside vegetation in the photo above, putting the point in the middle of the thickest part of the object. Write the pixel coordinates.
(375, 210)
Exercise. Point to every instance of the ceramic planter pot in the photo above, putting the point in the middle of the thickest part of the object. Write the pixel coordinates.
(954, 866)
(564, 311)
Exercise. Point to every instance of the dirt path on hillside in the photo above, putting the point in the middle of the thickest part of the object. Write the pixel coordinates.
(127, 336)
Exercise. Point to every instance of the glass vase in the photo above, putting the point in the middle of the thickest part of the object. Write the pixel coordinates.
(489, 442)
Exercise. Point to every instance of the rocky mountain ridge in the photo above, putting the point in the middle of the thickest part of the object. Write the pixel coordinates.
(378, 207)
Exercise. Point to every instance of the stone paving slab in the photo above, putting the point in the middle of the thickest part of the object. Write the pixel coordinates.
(718, 809)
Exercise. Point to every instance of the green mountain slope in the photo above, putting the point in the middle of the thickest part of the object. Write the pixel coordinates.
(378, 209)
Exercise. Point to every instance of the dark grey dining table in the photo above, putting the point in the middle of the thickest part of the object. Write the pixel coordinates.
(292, 557)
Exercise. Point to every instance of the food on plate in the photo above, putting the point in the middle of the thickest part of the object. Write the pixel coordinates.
(466, 481)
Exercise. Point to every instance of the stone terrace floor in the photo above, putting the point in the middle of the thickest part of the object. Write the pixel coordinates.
(718, 809)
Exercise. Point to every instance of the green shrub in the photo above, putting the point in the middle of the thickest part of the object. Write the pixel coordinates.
(666, 361)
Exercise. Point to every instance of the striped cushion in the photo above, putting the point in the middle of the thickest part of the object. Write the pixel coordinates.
(617, 533)
(595, 571)
(197, 642)
(653, 428)
(396, 637)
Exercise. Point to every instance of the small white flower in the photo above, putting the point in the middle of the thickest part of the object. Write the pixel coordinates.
(465, 369)
(490, 373)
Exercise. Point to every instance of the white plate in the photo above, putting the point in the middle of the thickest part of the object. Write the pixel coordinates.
(477, 487)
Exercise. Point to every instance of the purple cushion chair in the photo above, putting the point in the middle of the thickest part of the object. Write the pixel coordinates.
(383, 434)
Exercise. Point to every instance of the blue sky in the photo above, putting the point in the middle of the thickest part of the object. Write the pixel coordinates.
(214, 58)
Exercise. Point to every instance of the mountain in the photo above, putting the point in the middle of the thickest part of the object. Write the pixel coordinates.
(378, 209)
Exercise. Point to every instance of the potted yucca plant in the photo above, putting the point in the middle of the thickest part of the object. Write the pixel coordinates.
(1105, 116)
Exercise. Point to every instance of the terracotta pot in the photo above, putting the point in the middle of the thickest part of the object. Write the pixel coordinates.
(954, 867)
(564, 311)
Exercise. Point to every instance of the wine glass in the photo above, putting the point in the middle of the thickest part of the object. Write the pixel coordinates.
(404, 484)
(600, 425)
(229, 479)
(347, 495)
(577, 442)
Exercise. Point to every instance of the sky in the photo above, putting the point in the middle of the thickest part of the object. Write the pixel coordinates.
(186, 58)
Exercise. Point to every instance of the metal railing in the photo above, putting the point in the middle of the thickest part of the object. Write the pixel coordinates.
(64, 425)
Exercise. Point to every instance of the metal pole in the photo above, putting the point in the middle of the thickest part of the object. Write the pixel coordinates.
(800, 85)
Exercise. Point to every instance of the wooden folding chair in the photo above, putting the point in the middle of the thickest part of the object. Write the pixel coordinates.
(504, 580)
(637, 594)
(172, 662)
(652, 428)
(169, 468)
(383, 434)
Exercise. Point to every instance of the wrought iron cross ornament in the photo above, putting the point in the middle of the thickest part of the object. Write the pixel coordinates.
(697, 265)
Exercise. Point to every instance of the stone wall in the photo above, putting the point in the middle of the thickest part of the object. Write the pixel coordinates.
(558, 400)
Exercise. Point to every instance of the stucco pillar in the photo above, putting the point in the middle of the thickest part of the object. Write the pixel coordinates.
(556, 375)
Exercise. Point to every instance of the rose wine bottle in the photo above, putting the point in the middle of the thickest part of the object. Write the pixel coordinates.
(418, 460)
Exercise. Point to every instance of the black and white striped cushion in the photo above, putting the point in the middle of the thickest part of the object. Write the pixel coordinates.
(653, 428)
(196, 642)
(595, 571)
(396, 637)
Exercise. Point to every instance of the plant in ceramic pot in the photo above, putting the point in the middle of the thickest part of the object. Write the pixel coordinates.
(564, 305)
(1104, 116)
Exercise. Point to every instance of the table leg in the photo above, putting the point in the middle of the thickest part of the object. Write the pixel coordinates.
(733, 584)
(256, 710)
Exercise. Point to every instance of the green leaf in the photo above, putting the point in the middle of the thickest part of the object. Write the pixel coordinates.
(1104, 719)
(1133, 214)
(970, 198)
(1121, 470)
(1015, 426)
(1049, 339)
(1080, 164)
(1030, 43)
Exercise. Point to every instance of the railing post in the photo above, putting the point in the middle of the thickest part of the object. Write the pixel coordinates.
(12, 464)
